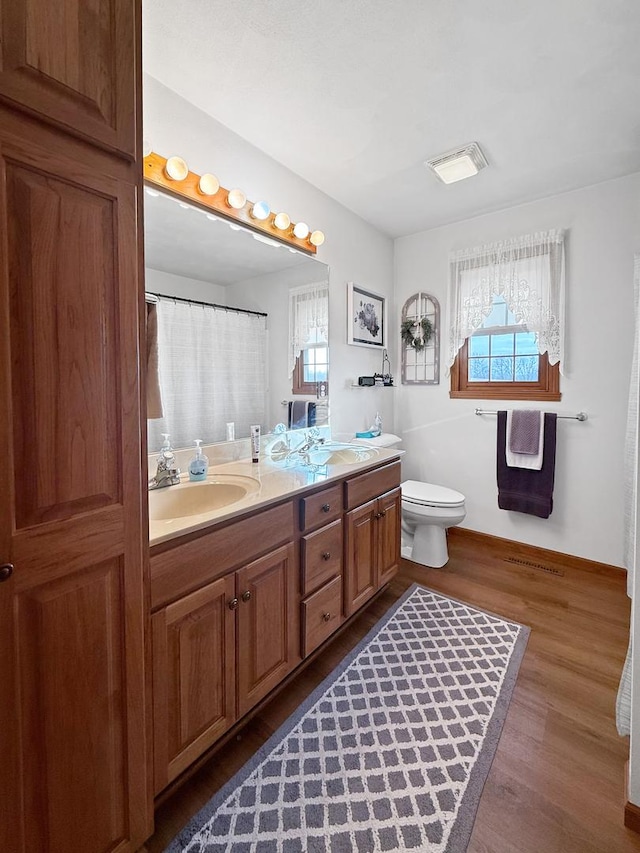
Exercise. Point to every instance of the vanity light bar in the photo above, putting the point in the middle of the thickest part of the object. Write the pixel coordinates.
(173, 175)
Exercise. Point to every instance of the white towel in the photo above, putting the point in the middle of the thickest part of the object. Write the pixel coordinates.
(524, 460)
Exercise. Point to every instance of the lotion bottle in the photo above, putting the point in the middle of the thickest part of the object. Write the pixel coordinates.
(199, 464)
(255, 442)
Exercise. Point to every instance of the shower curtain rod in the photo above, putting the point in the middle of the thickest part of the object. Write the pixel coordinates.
(156, 297)
(581, 416)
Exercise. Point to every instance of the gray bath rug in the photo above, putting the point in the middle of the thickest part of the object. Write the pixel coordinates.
(389, 753)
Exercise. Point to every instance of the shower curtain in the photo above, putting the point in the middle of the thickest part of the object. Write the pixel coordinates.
(623, 703)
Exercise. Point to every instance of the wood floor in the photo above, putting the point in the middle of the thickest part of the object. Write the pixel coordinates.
(557, 782)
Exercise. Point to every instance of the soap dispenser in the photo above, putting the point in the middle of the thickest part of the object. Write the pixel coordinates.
(166, 457)
(199, 464)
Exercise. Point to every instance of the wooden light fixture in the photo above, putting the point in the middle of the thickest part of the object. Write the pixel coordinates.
(197, 189)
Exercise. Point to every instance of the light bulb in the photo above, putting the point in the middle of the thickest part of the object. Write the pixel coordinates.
(301, 230)
(146, 148)
(208, 184)
(176, 168)
(282, 222)
(260, 210)
(236, 199)
(316, 238)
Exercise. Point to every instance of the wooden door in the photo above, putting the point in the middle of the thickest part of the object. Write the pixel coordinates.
(194, 657)
(360, 581)
(268, 624)
(73, 747)
(388, 536)
(71, 63)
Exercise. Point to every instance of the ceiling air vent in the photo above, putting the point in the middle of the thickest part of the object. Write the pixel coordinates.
(456, 165)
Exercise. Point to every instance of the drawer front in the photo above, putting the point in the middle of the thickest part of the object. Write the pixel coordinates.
(321, 508)
(188, 566)
(321, 556)
(359, 490)
(321, 615)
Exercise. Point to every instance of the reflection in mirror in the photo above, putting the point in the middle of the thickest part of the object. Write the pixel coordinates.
(224, 330)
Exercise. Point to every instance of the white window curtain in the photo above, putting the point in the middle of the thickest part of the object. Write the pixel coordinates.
(308, 311)
(528, 272)
(212, 371)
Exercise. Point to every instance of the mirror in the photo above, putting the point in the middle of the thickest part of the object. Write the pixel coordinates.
(193, 255)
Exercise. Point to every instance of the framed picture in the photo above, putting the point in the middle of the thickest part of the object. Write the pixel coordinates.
(365, 317)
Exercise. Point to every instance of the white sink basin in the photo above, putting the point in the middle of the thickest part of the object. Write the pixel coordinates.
(186, 499)
(341, 454)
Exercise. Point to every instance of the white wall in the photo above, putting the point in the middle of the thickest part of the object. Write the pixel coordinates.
(447, 443)
(158, 281)
(354, 250)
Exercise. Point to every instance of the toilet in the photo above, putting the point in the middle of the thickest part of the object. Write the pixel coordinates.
(427, 511)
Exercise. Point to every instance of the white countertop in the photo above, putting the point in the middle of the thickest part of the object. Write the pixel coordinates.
(274, 483)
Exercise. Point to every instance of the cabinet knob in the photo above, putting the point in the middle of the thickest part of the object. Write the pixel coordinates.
(246, 596)
(383, 513)
(6, 570)
(326, 555)
(326, 507)
(233, 603)
(326, 616)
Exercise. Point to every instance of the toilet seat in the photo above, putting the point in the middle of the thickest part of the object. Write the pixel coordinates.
(430, 494)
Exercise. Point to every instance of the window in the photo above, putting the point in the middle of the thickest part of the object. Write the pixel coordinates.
(309, 339)
(312, 367)
(507, 319)
(501, 361)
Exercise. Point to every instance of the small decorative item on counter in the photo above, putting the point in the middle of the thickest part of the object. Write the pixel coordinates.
(199, 465)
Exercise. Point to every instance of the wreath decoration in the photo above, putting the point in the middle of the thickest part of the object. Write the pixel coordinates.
(416, 333)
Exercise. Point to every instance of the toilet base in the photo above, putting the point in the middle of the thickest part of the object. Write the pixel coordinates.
(428, 546)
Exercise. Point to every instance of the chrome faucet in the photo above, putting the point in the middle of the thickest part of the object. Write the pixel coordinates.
(167, 471)
(313, 440)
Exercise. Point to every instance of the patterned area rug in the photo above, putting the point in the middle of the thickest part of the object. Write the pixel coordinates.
(390, 753)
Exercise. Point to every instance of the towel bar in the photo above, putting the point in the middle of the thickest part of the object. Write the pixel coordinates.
(581, 416)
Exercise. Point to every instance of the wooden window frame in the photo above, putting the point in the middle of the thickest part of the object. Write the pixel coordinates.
(546, 388)
(298, 385)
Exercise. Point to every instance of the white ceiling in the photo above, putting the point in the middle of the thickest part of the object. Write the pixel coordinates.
(353, 95)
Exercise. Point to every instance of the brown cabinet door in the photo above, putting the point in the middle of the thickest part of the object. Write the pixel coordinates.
(194, 698)
(388, 533)
(360, 581)
(73, 748)
(71, 63)
(268, 624)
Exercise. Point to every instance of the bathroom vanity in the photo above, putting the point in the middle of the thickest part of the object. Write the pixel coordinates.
(240, 600)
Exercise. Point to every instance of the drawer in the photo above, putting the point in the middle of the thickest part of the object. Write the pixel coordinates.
(321, 508)
(321, 556)
(321, 615)
(359, 490)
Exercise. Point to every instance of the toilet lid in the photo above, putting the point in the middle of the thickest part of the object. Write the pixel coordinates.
(429, 494)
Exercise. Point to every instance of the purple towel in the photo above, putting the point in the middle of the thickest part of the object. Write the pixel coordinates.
(524, 489)
(525, 431)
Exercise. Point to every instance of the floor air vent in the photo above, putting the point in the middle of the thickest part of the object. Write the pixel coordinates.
(542, 568)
